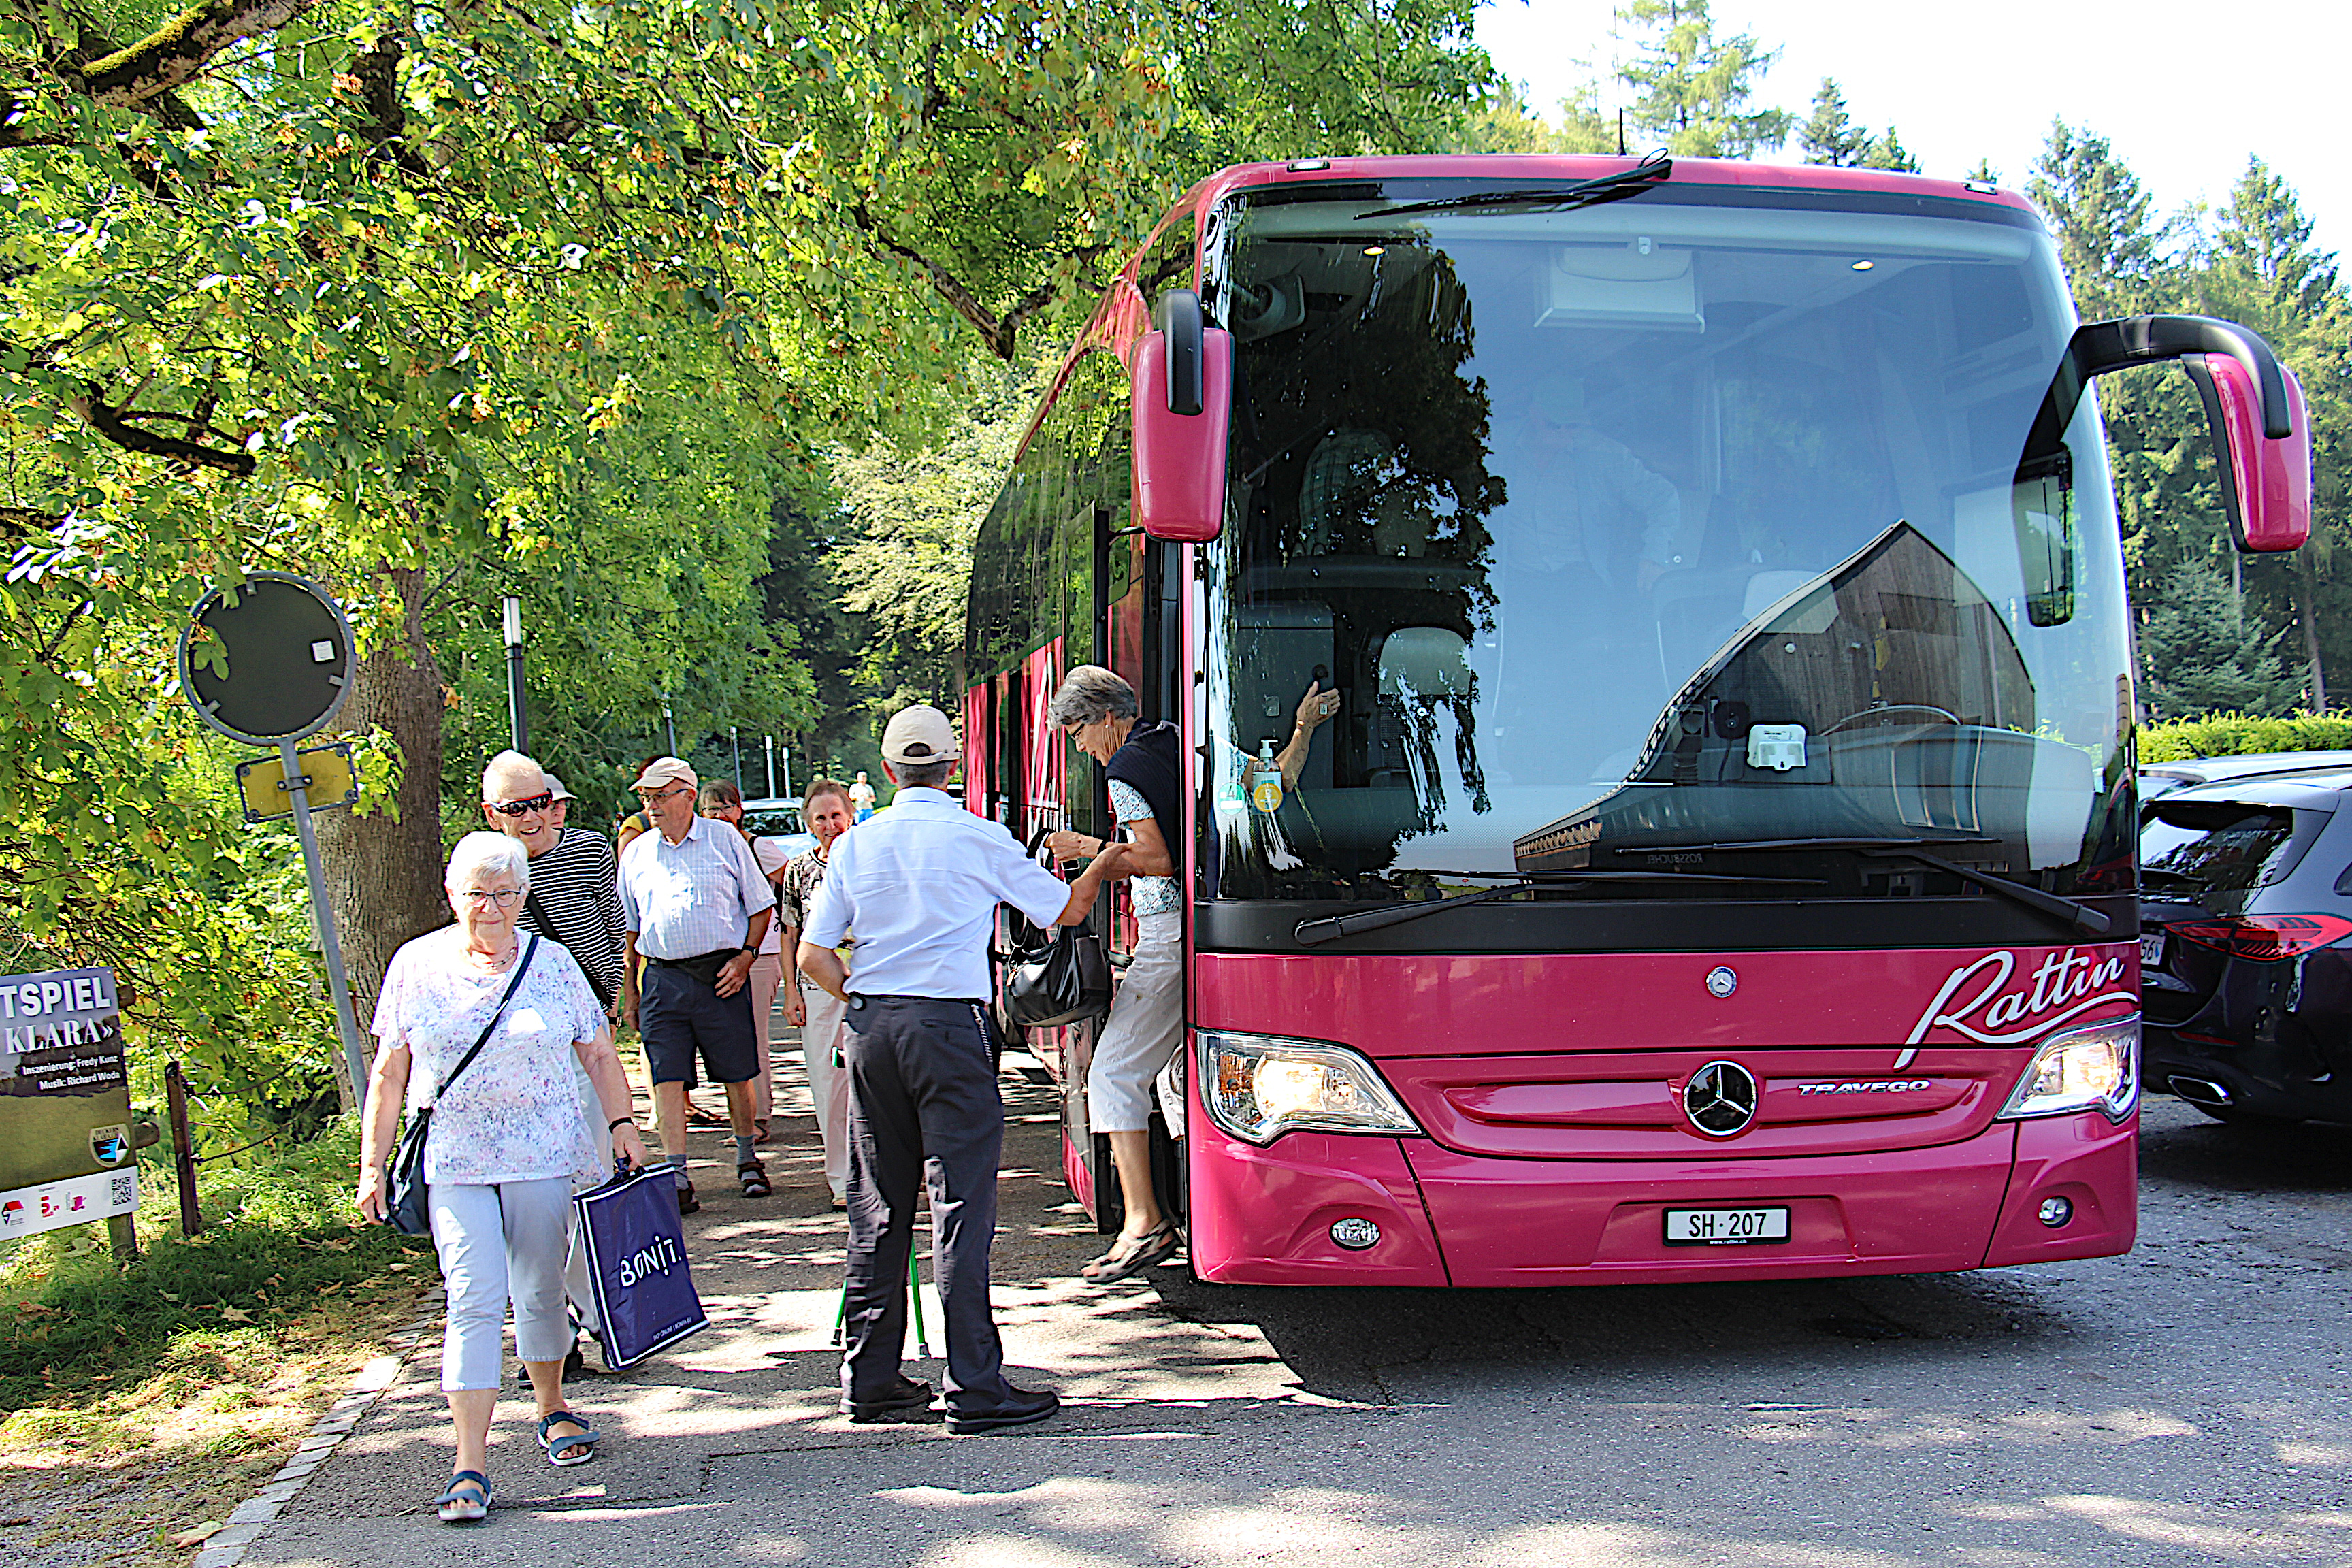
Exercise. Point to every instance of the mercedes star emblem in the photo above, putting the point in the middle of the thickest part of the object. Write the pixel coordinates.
(1720, 1099)
(1722, 981)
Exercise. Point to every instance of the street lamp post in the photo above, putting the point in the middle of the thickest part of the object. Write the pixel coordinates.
(669, 730)
(771, 766)
(511, 616)
(735, 739)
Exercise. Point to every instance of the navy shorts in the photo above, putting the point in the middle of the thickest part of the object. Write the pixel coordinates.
(678, 1014)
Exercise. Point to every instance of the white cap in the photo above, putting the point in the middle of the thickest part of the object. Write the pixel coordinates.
(918, 736)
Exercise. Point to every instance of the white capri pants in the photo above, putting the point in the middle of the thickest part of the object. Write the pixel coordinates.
(821, 1038)
(498, 1244)
(1147, 1023)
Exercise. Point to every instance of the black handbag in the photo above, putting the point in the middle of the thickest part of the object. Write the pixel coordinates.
(405, 1207)
(1053, 977)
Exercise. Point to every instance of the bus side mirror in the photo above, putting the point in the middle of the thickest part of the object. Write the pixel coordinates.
(2265, 479)
(1182, 379)
(2262, 432)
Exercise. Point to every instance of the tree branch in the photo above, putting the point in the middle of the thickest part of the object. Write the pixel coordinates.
(131, 78)
(114, 424)
(997, 333)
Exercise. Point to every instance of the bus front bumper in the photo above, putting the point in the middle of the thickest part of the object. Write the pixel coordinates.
(1281, 1214)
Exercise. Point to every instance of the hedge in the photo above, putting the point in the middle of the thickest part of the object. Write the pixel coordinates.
(2240, 736)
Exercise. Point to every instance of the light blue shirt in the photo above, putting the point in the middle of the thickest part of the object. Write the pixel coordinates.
(695, 896)
(920, 883)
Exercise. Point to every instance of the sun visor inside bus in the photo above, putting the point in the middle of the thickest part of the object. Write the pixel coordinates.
(1179, 457)
(1634, 283)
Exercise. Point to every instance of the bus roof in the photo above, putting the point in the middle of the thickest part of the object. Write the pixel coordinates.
(1123, 314)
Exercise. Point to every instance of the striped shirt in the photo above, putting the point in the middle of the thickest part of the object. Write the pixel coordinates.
(572, 882)
(695, 896)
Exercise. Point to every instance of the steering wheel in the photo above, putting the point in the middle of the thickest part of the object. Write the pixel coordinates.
(1879, 714)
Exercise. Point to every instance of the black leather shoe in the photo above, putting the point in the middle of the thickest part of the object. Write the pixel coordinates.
(1025, 1408)
(910, 1401)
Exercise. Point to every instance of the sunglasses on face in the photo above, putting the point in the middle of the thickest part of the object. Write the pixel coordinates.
(522, 807)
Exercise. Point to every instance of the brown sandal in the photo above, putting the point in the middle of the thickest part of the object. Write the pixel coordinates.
(1128, 1257)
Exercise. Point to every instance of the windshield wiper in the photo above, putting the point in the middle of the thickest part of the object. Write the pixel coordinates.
(1331, 928)
(1585, 193)
(2072, 911)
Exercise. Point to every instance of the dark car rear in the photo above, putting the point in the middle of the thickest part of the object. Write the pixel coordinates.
(2245, 898)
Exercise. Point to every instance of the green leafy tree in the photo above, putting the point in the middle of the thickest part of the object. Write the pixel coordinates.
(1691, 88)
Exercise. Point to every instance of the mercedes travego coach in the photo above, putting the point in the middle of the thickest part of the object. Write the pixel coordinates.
(1719, 863)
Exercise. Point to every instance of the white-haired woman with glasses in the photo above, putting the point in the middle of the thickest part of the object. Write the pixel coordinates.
(509, 1140)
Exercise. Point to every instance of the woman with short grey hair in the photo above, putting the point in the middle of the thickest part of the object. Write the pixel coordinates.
(1090, 694)
(511, 1135)
(1098, 709)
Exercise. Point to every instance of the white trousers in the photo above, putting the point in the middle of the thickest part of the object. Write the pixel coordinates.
(1147, 1023)
(821, 1042)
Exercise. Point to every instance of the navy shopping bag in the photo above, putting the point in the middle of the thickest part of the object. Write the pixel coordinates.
(636, 1263)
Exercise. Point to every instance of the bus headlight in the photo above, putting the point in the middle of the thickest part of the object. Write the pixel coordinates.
(2093, 1069)
(1259, 1086)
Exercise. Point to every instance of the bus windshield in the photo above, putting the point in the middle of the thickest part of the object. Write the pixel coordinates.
(1704, 516)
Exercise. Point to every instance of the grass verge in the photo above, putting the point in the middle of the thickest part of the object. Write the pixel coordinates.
(143, 1401)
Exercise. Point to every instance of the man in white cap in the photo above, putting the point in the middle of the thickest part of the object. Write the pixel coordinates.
(920, 883)
(563, 799)
(697, 905)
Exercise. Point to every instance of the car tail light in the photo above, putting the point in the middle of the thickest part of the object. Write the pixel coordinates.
(2265, 938)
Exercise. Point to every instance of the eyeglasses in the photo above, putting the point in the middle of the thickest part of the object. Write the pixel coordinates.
(522, 807)
(504, 898)
(651, 796)
(1074, 730)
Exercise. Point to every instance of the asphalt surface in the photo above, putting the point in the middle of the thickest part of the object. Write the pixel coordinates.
(2189, 1403)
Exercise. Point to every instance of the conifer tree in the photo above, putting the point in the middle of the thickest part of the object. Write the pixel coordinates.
(1888, 151)
(1692, 87)
(2203, 656)
(1830, 136)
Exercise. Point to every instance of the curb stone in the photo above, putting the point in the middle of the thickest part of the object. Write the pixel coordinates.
(227, 1546)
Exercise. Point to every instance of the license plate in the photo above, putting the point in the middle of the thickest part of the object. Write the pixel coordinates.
(2151, 950)
(1726, 1228)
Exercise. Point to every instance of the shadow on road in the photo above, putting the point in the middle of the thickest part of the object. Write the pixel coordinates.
(1337, 1339)
(2180, 1144)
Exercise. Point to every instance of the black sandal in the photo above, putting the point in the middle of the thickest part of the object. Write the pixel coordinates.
(1154, 1245)
(754, 1177)
(468, 1496)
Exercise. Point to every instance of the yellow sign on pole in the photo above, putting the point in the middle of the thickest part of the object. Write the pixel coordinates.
(333, 782)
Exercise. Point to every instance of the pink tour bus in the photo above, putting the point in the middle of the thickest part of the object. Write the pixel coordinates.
(1720, 863)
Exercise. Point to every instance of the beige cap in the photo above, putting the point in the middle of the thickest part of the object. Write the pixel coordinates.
(918, 735)
(665, 771)
(555, 786)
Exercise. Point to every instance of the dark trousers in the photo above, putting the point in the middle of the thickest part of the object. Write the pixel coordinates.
(922, 1101)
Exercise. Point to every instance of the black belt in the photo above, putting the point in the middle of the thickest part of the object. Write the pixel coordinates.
(703, 966)
(859, 999)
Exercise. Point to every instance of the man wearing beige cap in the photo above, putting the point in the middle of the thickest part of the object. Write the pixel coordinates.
(920, 883)
(696, 904)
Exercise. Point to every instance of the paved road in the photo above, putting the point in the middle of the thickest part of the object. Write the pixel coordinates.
(2187, 1404)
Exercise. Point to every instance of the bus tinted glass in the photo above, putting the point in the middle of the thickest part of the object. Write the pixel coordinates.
(1651, 525)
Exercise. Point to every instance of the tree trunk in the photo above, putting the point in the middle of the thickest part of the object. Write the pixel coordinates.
(2308, 610)
(384, 876)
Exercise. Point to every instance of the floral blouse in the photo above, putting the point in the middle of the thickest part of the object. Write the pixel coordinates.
(519, 1112)
(1152, 895)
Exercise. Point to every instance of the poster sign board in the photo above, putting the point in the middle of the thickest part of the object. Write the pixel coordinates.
(66, 1138)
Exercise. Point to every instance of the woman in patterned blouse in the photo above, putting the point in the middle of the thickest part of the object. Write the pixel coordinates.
(509, 1139)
